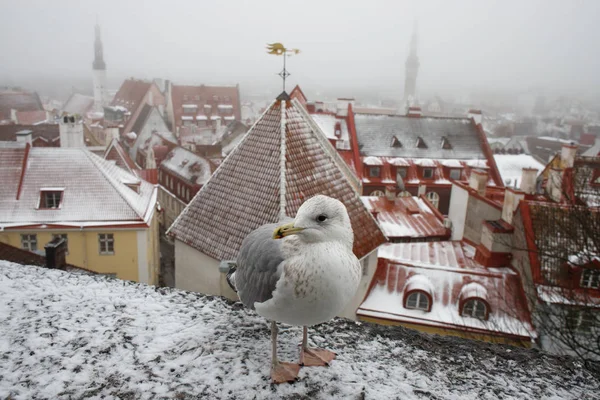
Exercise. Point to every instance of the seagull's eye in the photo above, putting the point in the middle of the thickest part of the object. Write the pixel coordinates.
(321, 218)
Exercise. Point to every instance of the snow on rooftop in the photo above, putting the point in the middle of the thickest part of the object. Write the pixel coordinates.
(201, 117)
(225, 106)
(68, 335)
(511, 167)
(327, 123)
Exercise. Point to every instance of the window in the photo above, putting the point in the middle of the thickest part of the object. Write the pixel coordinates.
(396, 142)
(403, 193)
(455, 174)
(581, 320)
(417, 300)
(62, 236)
(590, 278)
(474, 308)
(446, 144)
(427, 173)
(374, 172)
(50, 198)
(421, 143)
(377, 193)
(401, 172)
(29, 242)
(434, 199)
(107, 243)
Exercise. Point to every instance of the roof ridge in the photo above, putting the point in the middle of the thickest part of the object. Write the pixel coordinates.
(110, 179)
(219, 168)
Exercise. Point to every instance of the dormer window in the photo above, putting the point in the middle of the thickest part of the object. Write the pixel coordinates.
(475, 308)
(50, 198)
(396, 142)
(427, 173)
(421, 143)
(590, 278)
(401, 172)
(418, 300)
(446, 144)
(455, 174)
(374, 172)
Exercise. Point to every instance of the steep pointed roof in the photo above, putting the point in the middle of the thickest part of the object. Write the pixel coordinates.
(244, 192)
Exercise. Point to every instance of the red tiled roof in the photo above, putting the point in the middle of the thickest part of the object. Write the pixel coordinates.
(448, 274)
(407, 218)
(31, 117)
(244, 192)
(131, 93)
(205, 95)
(18, 100)
(49, 132)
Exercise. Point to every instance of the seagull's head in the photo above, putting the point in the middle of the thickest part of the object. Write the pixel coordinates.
(319, 219)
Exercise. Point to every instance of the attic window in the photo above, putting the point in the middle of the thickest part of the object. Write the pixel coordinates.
(421, 143)
(50, 198)
(580, 320)
(475, 308)
(418, 300)
(590, 278)
(427, 173)
(133, 186)
(446, 144)
(455, 174)
(396, 142)
(374, 172)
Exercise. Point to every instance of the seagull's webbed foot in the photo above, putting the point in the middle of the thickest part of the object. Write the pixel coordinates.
(284, 372)
(315, 357)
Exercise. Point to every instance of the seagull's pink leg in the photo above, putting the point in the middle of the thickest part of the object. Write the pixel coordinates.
(281, 371)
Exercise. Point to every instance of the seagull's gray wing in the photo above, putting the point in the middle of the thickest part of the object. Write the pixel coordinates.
(258, 265)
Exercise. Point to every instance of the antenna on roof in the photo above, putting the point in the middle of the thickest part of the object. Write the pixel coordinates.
(277, 49)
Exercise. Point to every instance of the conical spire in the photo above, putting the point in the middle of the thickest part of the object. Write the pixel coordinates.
(98, 52)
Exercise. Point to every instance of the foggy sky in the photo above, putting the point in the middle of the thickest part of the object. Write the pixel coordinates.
(470, 44)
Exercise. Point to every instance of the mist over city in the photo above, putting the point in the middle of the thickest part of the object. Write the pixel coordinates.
(299, 200)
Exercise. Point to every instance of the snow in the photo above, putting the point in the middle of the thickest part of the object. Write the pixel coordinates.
(201, 117)
(87, 336)
(372, 161)
(511, 167)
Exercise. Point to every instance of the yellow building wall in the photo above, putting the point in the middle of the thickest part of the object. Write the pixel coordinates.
(84, 249)
(450, 332)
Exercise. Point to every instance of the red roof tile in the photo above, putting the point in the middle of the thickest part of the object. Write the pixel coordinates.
(244, 192)
(31, 117)
(131, 93)
(448, 274)
(18, 100)
(202, 95)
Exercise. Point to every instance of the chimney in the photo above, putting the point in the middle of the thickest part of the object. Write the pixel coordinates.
(528, 178)
(24, 136)
(512, 198)
(71, 132)
(390, 193)
(495, 247)
(567, 155)
(478, 180)
(56, 252)
(342, 104)
(338, 129)
(414, 112)
(476, 116)
(554, 184)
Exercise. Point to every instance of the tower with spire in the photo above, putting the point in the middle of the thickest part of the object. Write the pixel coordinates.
(99, 73)
(412, 69)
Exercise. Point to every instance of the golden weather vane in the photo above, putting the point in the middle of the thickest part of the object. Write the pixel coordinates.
(278, 49)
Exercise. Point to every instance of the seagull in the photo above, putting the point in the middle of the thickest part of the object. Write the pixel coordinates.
(300, 273)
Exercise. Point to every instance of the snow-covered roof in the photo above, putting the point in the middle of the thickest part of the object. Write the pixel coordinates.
(187, 165)
(406, 217)
(511, 167)
(328, 122)
(95, 189)
(454, 277)
(244, 192)
(92, 336)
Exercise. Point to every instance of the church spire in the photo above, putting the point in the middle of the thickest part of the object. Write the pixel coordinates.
(98, 53)
(412, 68)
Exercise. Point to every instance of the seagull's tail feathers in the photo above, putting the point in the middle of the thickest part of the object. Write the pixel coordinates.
(231, 278)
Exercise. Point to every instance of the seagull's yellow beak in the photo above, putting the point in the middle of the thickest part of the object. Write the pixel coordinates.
(286, 230)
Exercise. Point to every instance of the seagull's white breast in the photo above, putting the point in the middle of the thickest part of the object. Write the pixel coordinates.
(316, 283)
